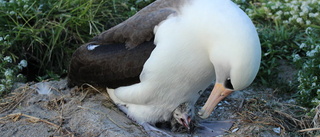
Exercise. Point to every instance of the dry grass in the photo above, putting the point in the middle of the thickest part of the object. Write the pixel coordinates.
(15, 98)
(20, 94)
(290, 118)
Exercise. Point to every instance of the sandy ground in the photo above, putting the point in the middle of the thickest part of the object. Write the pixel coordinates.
(83, 112)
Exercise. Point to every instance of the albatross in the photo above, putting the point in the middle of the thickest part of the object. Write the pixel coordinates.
(167, 52)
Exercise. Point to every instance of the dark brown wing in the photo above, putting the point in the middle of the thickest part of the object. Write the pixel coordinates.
(108, 65)
(139, 28)
(111, 64)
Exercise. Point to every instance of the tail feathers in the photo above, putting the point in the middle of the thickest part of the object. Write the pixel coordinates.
(113, 97)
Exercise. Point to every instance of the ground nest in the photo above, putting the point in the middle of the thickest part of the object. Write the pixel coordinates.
(49, 108)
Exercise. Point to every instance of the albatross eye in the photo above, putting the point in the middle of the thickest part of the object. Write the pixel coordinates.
(228, 83)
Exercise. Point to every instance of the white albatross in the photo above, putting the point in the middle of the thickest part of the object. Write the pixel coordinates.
(203, 41)
(197, 42)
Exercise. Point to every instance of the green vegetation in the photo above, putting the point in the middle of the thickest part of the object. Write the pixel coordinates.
(46, 32)
(9, 73)
(289, 30)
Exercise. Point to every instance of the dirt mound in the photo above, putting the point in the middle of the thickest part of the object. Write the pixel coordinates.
(51, 109)
(63, 112)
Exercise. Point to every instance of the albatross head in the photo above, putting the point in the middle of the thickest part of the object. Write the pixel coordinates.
(236, 59)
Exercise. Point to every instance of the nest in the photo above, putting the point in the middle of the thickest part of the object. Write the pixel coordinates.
(288, 117)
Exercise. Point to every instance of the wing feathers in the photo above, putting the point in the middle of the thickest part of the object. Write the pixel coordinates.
(108, 65)
(139, 28)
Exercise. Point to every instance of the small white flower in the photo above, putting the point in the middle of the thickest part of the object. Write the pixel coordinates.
(301, 13)
(313, 15)
(19, 76)
(40, 8)
(295, 17)
(12, 12)
(25, 6)
(305, 8)
(299, 20)
(9, 82)
(316, 101)
(296, 57)
(308, 31)
(133, 9)
(23, 63)
(8, 72)
(8, 59)
(294, 2)
(2, 87)
(305, 66)
(265, 8)
(292, 12)
(279, 13)
(311, 53)
(285, 22)
(308, 22)
(302, 45)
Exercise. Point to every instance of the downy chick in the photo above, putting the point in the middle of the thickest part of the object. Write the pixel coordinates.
(182, 118)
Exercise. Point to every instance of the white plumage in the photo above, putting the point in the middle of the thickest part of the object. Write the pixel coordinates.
(205, 40)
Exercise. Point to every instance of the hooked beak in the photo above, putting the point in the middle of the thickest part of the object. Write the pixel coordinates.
(186, 121)
(218, 93)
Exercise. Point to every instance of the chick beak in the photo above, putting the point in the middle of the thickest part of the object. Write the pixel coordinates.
(186, 121)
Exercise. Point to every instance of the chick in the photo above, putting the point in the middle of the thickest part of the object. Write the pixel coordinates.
(182, 118)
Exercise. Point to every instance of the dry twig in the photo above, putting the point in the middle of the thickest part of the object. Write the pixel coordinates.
(15, 99)
(308, 129)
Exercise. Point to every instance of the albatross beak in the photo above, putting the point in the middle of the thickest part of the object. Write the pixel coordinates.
(218, 93)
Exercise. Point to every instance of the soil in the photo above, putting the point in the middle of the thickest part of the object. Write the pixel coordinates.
(49, 108)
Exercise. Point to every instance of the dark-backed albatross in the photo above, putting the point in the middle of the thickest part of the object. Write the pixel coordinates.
(197, 42)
